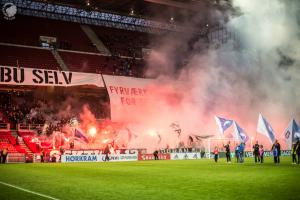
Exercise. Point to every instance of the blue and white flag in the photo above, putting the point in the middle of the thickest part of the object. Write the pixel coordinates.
(240, 133)
(79, 134)
(264, 128)
(223, 124)
(291, 133)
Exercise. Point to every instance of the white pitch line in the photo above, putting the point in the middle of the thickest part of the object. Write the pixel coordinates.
(29, 191)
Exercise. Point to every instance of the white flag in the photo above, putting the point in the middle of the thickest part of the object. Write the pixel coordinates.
(264, 128)
(291, 133)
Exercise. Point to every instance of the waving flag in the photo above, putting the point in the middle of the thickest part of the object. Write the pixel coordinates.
(79, 134)
(240, 133)
(223, 124)
(291, 133)
(264, 128)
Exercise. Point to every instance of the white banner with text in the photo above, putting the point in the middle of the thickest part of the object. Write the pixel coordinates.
(46, 77)
(127, 95)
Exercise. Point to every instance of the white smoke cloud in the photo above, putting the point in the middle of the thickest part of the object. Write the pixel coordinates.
(258, 72)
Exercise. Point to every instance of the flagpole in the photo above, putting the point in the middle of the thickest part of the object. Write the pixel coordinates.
(255, 136)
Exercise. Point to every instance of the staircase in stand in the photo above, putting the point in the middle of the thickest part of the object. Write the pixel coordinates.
(59, 60)
(23, 145)
(95, 40)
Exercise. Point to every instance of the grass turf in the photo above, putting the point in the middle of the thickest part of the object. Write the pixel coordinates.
(185, 179)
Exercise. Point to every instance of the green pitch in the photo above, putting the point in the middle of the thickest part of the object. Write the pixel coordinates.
(186, 179)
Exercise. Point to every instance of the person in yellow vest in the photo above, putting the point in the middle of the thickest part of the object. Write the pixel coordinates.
(4, 155)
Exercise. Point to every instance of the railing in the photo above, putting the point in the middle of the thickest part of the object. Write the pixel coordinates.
(4, 126)
(29, 127)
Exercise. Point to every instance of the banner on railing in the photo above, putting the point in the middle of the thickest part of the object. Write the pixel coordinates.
(46, 77)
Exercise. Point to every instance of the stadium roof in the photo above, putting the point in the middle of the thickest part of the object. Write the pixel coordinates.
(179, 10)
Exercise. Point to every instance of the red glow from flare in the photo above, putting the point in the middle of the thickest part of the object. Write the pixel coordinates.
(92, 131)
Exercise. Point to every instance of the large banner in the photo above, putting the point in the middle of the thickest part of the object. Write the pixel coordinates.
(99, 158)
(125, 93)
(46, 77)
(98, 151)
(249, 154)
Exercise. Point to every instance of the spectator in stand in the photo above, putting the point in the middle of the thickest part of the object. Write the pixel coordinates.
(227, 149)
(261, 153)
(294, 153)
(71, 144)
(256, 152)
(17, 140)
(4, 155)
(216, 154)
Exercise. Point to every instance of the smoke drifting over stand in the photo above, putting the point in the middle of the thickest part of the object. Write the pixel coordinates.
(253, 67)
(258, 71)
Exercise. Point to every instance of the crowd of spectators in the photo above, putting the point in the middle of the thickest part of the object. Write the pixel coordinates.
(123, 42)
(24, 107)
(131, 67)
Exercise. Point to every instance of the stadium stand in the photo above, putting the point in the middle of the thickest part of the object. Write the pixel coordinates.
(20, 46)
(9, 142)
(123, 42)
(27, 57)
(83, 62)
(27, 138)
(26, 30)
